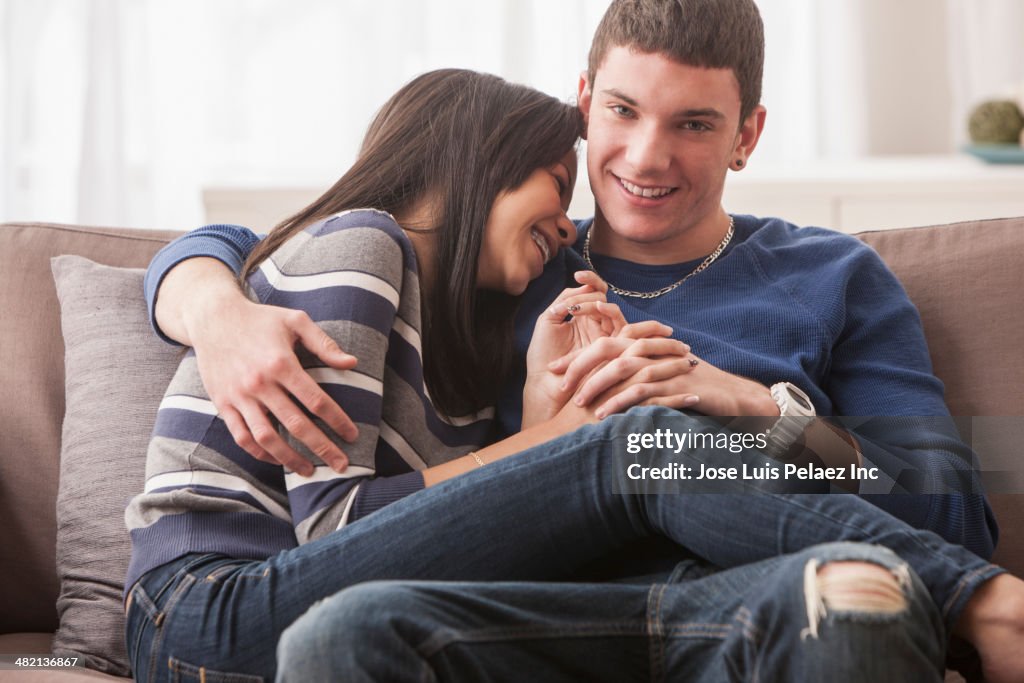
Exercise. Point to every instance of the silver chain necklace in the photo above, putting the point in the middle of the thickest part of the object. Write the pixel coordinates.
(664, 290)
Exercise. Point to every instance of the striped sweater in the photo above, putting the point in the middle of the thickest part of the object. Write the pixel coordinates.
(355, 275)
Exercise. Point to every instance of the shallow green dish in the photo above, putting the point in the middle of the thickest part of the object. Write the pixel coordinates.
(997, 154)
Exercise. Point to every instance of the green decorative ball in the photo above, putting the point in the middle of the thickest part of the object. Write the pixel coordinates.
(996, 121)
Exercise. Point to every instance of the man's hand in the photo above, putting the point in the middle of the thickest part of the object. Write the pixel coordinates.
(646, 375)
(246, 357)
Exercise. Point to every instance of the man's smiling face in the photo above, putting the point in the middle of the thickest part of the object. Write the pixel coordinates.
(660, 137)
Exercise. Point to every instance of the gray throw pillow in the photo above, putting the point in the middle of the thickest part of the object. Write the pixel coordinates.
(116, 374)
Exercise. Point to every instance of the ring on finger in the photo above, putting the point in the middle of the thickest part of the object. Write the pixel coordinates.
(694, 362)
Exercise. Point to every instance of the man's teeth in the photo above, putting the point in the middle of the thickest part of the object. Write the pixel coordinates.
(542, 243)
(645, 191)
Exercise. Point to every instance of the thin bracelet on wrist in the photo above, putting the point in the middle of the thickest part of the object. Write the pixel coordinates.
(479, 461)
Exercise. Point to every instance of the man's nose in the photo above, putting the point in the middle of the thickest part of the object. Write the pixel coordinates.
(646, 151)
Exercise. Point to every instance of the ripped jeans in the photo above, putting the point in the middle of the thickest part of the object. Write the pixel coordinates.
(766, 621)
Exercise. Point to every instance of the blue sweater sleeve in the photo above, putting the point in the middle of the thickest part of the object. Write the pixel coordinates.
(881, 372)
(229, 244)
(380, 492)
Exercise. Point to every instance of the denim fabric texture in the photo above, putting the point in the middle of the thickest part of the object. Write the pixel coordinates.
(744, 624)
(540, 516)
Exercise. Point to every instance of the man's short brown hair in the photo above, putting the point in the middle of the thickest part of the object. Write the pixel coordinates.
(715, 34)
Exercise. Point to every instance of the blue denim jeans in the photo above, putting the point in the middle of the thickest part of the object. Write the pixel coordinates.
(537, 516)
(749, 623)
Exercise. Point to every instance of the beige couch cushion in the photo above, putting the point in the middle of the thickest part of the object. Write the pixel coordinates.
(32, 404)
(117, 372)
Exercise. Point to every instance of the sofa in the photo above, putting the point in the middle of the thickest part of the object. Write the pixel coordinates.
(67, 463)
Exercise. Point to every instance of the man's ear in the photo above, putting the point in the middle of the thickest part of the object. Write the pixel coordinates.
(583, 101)
(749, 134)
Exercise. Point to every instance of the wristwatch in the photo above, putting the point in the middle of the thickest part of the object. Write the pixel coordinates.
(795, 412)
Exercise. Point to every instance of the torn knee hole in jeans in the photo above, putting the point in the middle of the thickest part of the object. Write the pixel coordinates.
(852, 586)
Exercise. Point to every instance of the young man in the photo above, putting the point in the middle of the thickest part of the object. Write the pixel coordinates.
(782, 320)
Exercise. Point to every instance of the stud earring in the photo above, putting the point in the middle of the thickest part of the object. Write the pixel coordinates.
(739, 163)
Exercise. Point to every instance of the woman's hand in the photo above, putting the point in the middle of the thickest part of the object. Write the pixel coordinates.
(579, 318)
(592, 317)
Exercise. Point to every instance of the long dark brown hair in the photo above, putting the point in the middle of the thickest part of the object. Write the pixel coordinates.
(460, 138)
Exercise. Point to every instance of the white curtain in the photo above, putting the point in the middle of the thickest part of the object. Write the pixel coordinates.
(119, 112)
(812, 73)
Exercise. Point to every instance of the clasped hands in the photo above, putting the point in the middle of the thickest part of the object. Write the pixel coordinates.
(585, 358)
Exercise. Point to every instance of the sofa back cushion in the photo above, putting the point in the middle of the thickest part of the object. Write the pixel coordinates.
(116, 374)
(967, 280)
(32, 403)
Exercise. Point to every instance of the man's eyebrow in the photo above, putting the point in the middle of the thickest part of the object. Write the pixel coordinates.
(705, 113)
(619, 95)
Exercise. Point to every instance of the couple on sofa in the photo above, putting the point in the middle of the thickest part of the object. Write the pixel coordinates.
(388, 532)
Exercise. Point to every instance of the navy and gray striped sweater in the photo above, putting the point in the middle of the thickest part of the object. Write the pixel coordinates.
(355, 275)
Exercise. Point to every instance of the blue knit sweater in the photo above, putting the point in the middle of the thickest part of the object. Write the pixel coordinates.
(804, 305)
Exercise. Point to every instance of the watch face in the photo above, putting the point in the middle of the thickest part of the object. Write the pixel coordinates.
(800, 400)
